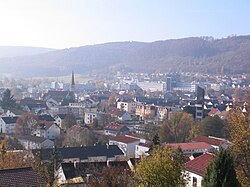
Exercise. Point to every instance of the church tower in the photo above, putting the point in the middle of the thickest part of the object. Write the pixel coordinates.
(72, 85)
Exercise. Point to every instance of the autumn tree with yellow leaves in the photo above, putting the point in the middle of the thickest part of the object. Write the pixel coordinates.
(12, 159)
(240, 138)
(163, 168)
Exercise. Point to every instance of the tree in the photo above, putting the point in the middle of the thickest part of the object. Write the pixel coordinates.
(78, 136)
(10, 159)
(25, 123)
(220, 172)
(213, 126)
(8, 102)
(163, 168)
(240, 138)
(112, 177)
(177, 129)
(111, 100)
(69, 121)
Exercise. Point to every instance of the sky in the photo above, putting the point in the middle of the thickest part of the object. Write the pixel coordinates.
(71, 23)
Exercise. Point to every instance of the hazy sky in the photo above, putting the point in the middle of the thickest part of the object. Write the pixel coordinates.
(68, 23)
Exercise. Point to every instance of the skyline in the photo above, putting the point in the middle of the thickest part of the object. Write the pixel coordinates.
(64, 24)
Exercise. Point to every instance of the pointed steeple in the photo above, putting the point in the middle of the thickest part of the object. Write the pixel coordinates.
(72, 85)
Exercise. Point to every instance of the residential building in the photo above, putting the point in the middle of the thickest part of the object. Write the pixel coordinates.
(192, 147)
(196, 169)
(214, 141)
(115, 129)
(126, 144)
(130, 107)
(97, 153)
(90, 115)
(35, 142)
(7, 124)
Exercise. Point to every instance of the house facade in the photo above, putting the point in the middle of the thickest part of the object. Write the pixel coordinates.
(127, 106)
(115, 129)
(196, 169)
(7, 124)
(35, 142)
(126, 144)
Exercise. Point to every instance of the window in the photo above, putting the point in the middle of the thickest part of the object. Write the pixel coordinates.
(194, 182)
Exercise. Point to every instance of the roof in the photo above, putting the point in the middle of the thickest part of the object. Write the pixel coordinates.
(20, 177)
(210, 140)
(62, 116)
(69, 170)
(115, 127)
(191, 145)
(82, 152)
(31, 138)
(9, 120)
(199, 164)
(56, 95)
(46, 118)
(125, 139)
(73, 170)
(214, 111)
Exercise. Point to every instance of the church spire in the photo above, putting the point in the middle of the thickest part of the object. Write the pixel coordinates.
(72, 85)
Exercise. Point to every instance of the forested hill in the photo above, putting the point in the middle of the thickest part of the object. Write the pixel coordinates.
(195, 54)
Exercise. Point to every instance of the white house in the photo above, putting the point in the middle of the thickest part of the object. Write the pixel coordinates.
(196, 169)
(126, 143)
(35, 142)
(124, 116)
(49, 131)
(161, 112)
(142, 149)
(7, 124)
(90, 116)
(59, 119)
(127, 106)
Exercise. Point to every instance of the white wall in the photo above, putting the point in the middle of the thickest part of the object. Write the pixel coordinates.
(141, 151)
(190, 179)
(53, 132)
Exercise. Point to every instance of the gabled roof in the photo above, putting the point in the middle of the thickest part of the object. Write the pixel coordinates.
(62, 116)
(117, 112)
(20, 177)
(83, 152)
(210, 140)
(46, 118)
(125, 139)
(214, 111)
(191, 145)
(9, 120)
(199, 164)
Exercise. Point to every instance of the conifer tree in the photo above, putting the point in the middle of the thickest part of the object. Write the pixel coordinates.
(8, 102)
(221, 172)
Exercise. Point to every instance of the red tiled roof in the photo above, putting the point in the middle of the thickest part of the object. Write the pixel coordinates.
(125, 139)
(191, 145)
(20, 177)
(199, 164)
(214, 111)
(114, 127)
(210, 140)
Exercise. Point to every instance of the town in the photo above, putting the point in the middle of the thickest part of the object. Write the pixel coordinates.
(107, 130)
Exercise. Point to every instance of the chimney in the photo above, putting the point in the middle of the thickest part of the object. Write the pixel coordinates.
(108, 163)
(75, 164)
